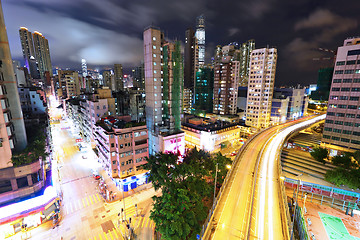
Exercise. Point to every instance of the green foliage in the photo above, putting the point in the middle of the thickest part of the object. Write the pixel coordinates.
(34, 150)
(340, 176)
(342, 161)
(356, 155)
(320, 154)
(186, 188)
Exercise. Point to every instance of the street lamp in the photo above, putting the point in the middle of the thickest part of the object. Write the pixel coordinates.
(215, 181)
(293, 221)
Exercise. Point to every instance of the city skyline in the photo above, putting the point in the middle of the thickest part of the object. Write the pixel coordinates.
(108, 33)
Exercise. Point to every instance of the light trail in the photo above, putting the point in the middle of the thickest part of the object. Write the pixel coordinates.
(265, 214)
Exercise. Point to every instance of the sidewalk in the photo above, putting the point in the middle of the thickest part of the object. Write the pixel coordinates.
(118, 195)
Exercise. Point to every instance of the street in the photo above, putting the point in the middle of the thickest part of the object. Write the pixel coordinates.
(84, 212)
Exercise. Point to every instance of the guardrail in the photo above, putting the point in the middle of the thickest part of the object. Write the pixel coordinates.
(218, 196)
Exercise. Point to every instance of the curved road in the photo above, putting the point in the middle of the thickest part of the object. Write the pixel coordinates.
(251, 206)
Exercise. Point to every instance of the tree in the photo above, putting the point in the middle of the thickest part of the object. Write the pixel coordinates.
(180, 211)
(342, 160)
(340, 176)
(319, 154)
(356, 155)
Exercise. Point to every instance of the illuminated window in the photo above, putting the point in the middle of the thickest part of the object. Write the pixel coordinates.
(154, 38)
(154, 47)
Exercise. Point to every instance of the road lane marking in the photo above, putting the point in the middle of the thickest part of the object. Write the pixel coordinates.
(95, 238)
(98, 197)
(78, 205)
(83, 202)
(95, 201)
(142, 224)
(91, 200)
(111, 235)
(100, 236)
(105, 236)
(87, 201)
(147, 222)
(116, 234)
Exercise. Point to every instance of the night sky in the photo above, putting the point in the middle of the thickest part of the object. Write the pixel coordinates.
(105, 32)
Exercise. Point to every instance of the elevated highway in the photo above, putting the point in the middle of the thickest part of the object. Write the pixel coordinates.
(252, 204)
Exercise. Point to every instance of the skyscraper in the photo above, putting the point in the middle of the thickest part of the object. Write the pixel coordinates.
(12, 127)
(343, 114)
(84, 68)
(260, 87)
(36, 53)
(28, 50)
(226, 82)
(107, 76)
(118, 83)
(245, 52)
(163, 92)
(189, 61)
(204, 85)
(42, 52)
(200, 37)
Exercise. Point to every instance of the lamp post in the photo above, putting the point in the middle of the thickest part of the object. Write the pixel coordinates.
(215, 181)
(293, 221)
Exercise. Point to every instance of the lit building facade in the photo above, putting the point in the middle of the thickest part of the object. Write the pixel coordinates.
(343, 114)
(261, 87)
(84, 68)
(244, 58)
(225, 91)
(118, 81)
(163, 88)
(200, 38)
(211, 137)
(42, 53)
(204, 85)
(122, 146)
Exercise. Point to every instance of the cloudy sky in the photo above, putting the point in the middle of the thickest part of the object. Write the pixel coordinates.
(105, 32)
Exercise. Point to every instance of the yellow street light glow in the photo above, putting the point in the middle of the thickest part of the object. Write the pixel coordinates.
(282, 178)
(228, 166)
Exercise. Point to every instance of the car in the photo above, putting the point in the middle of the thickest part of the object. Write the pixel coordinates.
(84, 157)
(233, 154)
(96, 176)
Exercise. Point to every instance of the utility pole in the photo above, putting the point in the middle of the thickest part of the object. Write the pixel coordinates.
(215, 182)
(293, 221)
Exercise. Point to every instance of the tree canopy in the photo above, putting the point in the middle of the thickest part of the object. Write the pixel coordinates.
(320, 154)
(187, 189)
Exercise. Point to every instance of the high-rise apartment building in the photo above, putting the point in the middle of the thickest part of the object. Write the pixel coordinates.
(204, 85)
(28, 50)
(36, 53)
(163, 92)
(118, 83)
(261, 87)
(200, 37)
(12, 127)
(139, 77)
(226, 80)
(42, 52)
(343, 115)
(107, 76)
(189, 58)
(245, 52)
(84, 68)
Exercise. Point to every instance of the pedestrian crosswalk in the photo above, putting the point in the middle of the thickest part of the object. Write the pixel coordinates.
(120, 230)
(114, 234)
(73, 206)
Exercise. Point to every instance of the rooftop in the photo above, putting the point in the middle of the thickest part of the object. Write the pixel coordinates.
(110, 123)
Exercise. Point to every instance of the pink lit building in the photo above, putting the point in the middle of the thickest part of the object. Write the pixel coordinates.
(121, 146)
